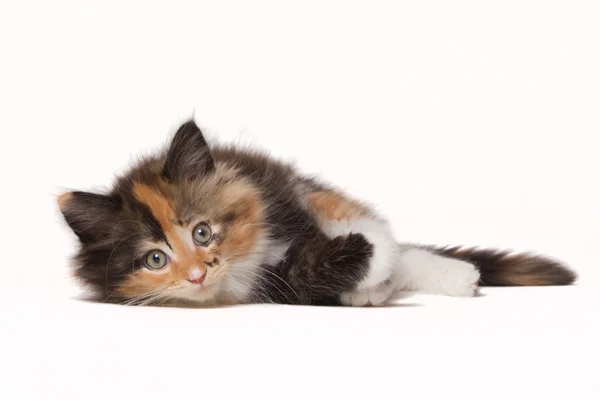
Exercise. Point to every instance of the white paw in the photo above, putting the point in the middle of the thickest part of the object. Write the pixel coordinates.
(459, 278)
(368, 297)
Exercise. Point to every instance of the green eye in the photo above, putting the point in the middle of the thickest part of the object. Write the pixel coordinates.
(202, 234)
(156, 259)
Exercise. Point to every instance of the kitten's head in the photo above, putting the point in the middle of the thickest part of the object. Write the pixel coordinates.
(179, 225)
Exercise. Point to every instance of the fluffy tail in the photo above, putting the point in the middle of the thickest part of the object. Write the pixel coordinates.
(504, 268)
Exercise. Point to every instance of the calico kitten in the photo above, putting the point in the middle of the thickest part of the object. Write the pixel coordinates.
(220, 225)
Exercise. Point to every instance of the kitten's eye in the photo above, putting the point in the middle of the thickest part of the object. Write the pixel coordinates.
(202, 234)
(156, 259)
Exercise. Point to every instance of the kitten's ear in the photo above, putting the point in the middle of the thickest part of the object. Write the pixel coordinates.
(90, 216)
(189, 156)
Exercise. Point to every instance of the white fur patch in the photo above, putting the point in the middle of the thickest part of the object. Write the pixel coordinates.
(244, 274)
(276, 253)
(420, 270)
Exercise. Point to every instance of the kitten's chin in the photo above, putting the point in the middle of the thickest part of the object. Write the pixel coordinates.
(199, 294)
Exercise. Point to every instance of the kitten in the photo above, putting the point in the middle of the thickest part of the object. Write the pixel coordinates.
(219, 225)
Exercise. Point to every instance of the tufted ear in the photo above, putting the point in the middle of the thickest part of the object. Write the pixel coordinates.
(91, 216)
(189, 156)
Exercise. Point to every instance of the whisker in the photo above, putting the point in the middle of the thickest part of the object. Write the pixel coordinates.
(255, 273)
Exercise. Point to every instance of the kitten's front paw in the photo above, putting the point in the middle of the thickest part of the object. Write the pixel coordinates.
(375, 296)
(459, 279)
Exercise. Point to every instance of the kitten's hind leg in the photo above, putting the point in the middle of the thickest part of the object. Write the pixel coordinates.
(422, 271)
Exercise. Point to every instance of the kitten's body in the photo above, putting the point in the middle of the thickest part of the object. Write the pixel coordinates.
(275, 236)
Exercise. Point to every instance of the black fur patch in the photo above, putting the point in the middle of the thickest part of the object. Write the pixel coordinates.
(89, 215)
(317, 272)
(189, 156)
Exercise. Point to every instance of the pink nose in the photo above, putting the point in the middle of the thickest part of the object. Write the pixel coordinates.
(198, 280)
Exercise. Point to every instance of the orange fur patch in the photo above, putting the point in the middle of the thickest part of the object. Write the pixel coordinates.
(142, 282)
(161, 207)
(244, 231)
(163, 211)
(331, 205)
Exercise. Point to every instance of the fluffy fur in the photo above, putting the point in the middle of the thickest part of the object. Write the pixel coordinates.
(220, 225)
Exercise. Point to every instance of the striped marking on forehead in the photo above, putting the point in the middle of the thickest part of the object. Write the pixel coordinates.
(160, 207)
(162, 210)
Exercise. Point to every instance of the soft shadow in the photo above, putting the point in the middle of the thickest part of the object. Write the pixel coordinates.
(342, 307)
(399, 305)
(88, 298)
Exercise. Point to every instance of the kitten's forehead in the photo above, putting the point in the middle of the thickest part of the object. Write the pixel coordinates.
(167, 200)
(160, 205)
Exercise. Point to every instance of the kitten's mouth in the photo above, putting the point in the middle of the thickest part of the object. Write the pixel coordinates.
(201, 287)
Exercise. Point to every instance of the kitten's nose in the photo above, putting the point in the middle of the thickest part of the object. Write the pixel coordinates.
(197, 276)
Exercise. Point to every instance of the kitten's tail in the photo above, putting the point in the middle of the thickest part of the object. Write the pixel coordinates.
(504, 268)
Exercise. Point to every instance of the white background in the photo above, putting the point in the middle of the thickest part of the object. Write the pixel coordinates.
(466, 122)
